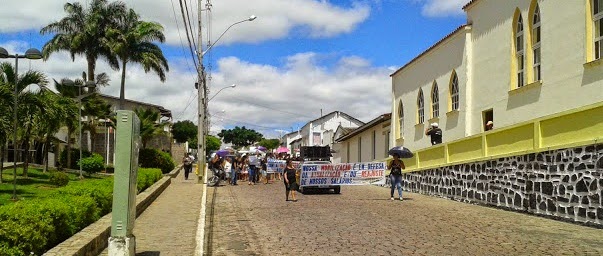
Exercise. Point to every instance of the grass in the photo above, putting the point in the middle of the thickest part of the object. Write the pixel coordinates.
(35, 186)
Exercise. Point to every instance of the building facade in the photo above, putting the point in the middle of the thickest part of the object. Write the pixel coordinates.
(514, 61)
(367, 143)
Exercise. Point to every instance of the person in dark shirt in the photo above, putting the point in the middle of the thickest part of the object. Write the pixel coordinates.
(435, 133)
(290, 180)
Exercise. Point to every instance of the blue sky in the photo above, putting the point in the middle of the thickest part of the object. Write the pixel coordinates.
(296, 58)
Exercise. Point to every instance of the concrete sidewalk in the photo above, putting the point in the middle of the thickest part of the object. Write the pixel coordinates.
(169, 225)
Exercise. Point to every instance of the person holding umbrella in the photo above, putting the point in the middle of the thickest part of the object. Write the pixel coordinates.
(395, 175)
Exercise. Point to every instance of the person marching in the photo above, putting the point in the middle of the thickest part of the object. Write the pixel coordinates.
(187, 163)
(395, 176)
(290, 181)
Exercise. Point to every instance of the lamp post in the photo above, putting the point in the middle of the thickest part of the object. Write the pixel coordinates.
(201, 92)
(90, 85)
(32, 54)
(226, 87)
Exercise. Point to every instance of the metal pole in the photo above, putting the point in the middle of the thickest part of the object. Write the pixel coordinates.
(201, 99)
(80, 125)
(15, 126)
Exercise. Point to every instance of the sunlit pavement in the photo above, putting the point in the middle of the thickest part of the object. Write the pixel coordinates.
(256, 220)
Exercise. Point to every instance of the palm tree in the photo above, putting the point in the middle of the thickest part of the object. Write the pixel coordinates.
(6, 98)
(83, 32)
(29, 102)
(95, 109)
(132, 41)
(149, 124)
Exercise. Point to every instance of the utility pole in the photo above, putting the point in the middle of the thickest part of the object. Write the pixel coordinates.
(201, 100)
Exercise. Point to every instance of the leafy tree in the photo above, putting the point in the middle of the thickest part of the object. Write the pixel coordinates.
(132, 41)
(269, 144)
(184, 131)
(149, 124)
(212, 143)
(29, 103)
(83, 32)
(240, 136)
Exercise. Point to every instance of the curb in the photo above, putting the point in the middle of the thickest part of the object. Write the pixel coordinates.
(92, 240)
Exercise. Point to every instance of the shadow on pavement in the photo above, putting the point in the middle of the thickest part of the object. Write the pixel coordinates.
(148, 253)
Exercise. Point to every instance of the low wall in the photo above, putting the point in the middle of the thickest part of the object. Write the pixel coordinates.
(92, 240)
(565, 184)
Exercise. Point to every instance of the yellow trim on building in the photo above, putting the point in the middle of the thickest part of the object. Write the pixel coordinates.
(578, 127)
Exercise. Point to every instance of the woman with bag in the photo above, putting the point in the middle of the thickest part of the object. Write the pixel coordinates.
(395, 176)
(290, 181)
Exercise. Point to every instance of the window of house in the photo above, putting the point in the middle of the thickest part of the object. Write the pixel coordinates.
(435, 101)
(420, 108)
(598, 33)
(519, 52)
(359, 149)
(536, 43)
(401, 119)
(374, 145)
(454, 92)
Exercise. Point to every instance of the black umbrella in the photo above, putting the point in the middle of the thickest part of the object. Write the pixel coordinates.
(401, 151)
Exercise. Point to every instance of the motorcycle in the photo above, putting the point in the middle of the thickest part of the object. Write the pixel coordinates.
(218, 174)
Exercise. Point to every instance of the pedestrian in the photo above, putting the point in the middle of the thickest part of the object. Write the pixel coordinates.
(290, 180)
(435, 133)
(395, 175)
(264, 166)
(235, 170)
(187, 164)
(227, 167)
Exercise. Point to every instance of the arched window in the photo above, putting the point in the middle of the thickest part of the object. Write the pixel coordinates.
(401, 118)
(536, 43)
(519, 51)
(420, 108)
(598, 27)
(454, 92)
(435, 100)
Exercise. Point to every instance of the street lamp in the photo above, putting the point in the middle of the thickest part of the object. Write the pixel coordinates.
(226, 87)
(32, 54)
(202, 92)
(90, 85)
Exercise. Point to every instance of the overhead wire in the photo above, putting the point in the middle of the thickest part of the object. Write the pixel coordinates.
(188, 37)
(189, 22)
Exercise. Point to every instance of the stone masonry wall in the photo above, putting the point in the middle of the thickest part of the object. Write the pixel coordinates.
(566, 183)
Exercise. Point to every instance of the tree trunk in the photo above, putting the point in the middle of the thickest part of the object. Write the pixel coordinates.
(122, 92)
(91, 67)
(45, 153)
(68, 148)
(26, 151)
(3, 149)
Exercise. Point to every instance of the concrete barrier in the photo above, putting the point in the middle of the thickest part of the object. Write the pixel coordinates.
(93, 239)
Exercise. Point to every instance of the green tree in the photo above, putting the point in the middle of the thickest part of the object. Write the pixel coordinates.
(83, 32)
(212, 143)
(269, 144)
(6, 103)
(132, 41)
(240, 136)
(29, 104)
(184, 131)
(149, 124)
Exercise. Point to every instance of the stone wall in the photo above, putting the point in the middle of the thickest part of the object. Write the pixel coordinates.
(565, 184)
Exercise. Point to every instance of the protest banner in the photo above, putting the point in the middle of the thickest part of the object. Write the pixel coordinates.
(277, 166)
(343, 174)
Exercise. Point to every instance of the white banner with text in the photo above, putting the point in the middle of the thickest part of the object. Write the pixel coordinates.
(343, 174)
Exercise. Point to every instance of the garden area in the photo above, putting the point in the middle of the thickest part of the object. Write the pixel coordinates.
(53, 206)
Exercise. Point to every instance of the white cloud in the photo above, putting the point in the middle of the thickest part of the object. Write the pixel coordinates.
(442, 8)
(265, 98)
(276, 18)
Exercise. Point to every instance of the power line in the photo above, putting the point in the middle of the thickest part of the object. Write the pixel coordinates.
(188, 35)
(189, 23)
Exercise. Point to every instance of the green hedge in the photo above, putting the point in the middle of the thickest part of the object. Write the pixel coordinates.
(92, 164)
(75, 157)
(38, 225)
(153, 158)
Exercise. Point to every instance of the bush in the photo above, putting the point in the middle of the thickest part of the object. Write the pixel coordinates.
(146, 178)
(153, 158)
(59, 179)
(92, 164)
(75, 156)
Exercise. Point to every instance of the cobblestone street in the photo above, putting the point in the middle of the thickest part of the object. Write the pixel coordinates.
(256, 220)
